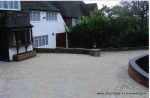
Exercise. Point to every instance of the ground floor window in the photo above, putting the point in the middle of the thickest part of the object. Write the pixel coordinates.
(12, 39)
(18, 38)
(40, 41)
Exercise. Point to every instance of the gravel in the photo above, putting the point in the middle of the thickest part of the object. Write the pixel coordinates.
(58, 75)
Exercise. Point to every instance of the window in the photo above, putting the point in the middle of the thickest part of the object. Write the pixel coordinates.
(5, 4)
(36, 42)
(19, 38)
(35, 16)
(15, 5)
(43, 41)
(51, 15)
(40, 41)
(10, 5)
(27, 37)
(46, 40)
(12, 39)
(74, 21)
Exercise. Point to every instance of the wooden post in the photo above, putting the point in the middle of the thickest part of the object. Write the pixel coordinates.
(31, 35)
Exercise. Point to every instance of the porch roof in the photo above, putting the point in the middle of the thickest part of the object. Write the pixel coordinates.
(16, 20)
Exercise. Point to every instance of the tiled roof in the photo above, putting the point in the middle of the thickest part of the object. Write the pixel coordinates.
(16, 20)
(73, 8)
(87, 8)
(38, 5)
(67, 8)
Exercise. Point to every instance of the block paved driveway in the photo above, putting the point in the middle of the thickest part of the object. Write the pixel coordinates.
(71, 76)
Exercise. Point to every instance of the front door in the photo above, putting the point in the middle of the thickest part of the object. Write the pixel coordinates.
(61, 40)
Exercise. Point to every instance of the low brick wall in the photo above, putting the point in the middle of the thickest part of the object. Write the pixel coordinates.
(124, 48)
(23, 56)
(84, 50)
(137, 71)
(137, 77)
(63, 50)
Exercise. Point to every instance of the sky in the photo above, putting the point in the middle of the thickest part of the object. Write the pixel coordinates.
(101, 3)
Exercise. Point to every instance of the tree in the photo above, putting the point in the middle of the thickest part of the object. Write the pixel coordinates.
(122, 25)
(140, 10)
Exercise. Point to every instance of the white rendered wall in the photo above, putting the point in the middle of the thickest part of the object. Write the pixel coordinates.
(13, 51)
(44, 27)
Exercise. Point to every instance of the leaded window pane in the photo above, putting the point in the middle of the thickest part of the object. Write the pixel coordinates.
(5, 4)
(16, 5)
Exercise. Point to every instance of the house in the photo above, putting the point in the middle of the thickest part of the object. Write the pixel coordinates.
(51, 19)
(72, 10)
(15, 31)
(47, 22)
(28, 24)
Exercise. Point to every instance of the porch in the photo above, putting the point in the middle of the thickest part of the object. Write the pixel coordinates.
(20, 38)
(20, 44)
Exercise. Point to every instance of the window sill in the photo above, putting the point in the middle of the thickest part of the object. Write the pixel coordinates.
(16, 9)
(35, 21)
(51, 20)
(42, 46)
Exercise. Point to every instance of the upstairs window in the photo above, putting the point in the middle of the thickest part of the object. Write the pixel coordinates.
(10, 5)
(34, 15)
(74, 21)
(51, 15)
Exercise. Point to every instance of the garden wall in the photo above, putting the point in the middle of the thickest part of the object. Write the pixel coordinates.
(63, 50)
(84, 50)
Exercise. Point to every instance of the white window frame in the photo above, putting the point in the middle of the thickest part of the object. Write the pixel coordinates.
(34, 16)
(41, 41)
(9, 5)
(51, 16)
(74, 22)
(36, 39)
